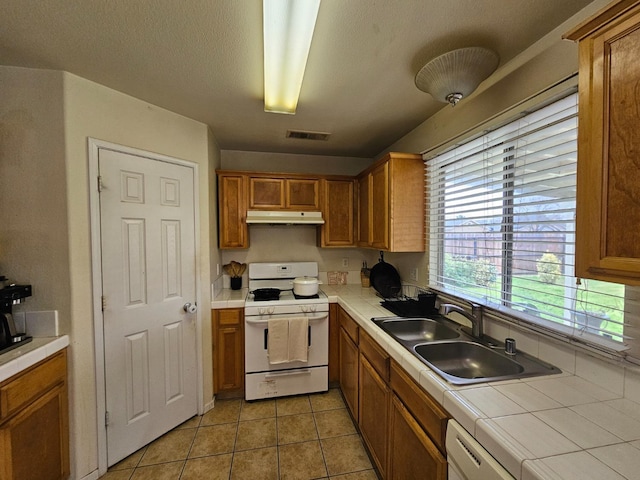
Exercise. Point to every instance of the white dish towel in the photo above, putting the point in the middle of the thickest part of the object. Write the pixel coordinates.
(278, 344)
(298, 339)
(288, 340)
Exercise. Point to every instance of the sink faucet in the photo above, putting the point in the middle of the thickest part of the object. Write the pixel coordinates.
(475, 316)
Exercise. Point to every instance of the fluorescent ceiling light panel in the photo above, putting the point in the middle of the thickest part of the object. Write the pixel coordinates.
(288, 30)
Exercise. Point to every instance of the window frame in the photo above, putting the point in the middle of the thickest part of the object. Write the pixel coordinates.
(503, 311)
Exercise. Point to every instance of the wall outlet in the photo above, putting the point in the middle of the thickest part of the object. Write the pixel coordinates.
(345, 262)
(414, 274)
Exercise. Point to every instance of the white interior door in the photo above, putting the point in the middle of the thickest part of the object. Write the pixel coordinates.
(148, 267)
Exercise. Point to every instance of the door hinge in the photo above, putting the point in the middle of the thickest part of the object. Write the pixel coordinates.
(99, 183)
(106, 419)
(104, 302)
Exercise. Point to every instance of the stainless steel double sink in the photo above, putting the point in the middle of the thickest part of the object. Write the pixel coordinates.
(458, 357)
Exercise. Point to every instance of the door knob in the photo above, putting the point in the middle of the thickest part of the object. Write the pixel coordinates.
(190, 308)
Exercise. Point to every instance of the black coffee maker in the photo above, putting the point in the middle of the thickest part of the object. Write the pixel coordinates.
(11, 295)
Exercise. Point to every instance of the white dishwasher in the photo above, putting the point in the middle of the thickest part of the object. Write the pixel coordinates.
(468, 460)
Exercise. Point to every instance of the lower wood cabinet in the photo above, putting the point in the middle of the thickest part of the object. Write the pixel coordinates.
(402, 426)
(412, 453)
(374, 414)
(228, 351)
(334, 345)
(349, 372)
(34, 422)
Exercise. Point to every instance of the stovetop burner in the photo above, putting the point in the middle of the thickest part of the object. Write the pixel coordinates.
(305, 297)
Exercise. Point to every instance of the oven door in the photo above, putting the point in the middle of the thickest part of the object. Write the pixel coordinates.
(257, 337)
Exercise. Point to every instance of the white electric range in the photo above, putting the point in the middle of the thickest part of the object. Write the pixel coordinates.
(270, 298)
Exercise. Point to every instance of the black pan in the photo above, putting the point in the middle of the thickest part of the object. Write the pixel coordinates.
(268, 293)
(385, 279)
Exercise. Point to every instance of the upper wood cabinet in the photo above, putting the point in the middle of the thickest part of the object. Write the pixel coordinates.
(273, 193)
(232, 211)
(391, 204)
(608, 197)
(338, 210)
(242, 191)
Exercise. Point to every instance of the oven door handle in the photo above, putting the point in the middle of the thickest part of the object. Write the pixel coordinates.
(266, 337)
(288, 373)
(265, 322)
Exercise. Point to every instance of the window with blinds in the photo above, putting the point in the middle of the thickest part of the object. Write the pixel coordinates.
(502, 227)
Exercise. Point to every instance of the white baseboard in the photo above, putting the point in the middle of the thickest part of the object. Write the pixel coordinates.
(209, 405)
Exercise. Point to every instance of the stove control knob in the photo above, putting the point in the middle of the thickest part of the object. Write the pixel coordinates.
(262, 310)
(304, 309)
(271, 310)
(313, 308)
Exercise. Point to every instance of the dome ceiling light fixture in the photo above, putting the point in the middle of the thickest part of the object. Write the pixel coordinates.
(456, 74)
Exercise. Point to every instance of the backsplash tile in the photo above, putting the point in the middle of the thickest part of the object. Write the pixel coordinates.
(528, 342)
(42, 324)
(562, 356)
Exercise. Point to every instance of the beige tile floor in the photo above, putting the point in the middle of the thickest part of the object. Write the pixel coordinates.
(292, 438)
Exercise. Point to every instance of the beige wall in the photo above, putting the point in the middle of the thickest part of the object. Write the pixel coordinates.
(92, 110)
(290, 163)
(33, 216)
(46, 118)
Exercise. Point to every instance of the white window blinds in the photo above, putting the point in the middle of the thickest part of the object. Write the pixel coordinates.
(502, 227)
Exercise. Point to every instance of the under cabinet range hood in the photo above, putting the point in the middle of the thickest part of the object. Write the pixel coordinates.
(283, 217)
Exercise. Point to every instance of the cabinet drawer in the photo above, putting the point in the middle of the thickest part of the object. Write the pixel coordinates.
(427, 412)
(20, 391)
(378, 358)
(349, 325)
(229, 316)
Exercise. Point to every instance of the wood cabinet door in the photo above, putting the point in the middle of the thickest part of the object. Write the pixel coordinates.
(303, 194)
(380, 207)
(427, 412)
(228, 350)
(411, 452)
(334, 345)
(232, 211)
(608, 197)
(266, 193)
(373, 409)
(36, 441)
(349, 372)
(364, 211)
(338, 208)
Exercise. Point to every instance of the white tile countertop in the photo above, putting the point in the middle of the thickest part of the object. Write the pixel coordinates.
(21, 358)
(581, 424)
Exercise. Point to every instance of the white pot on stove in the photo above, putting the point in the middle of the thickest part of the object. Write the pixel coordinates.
(305, 286)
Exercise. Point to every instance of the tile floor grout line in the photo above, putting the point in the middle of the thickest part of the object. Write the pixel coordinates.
(193, 440)
(237, 423)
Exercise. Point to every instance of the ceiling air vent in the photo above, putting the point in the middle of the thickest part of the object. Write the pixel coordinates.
(301, 134)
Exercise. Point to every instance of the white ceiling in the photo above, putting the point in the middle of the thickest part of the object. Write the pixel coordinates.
(203, 59)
